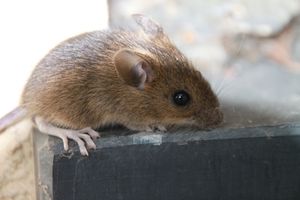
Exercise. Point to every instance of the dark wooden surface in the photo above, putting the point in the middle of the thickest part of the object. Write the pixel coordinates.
(247, 164)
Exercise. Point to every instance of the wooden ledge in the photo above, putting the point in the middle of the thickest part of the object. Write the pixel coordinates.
(241, 163)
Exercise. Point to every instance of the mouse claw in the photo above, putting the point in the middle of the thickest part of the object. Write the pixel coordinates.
(65, 142)
(94, 134)
(155, 128)
(82, 139)
(148, 129)
(161, 128)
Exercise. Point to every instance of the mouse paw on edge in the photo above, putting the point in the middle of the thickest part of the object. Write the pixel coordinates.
(160, 128)
(84, 137)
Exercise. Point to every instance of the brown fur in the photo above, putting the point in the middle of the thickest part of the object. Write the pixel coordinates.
(76, 85)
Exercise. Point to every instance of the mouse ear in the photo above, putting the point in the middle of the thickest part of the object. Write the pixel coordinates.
(134, 70)
(149, 26)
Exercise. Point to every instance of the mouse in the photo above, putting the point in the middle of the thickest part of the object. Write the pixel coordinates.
(135, 78)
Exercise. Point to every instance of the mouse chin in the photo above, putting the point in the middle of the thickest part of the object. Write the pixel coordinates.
(210, 119)
(208, 123)
(204, 125)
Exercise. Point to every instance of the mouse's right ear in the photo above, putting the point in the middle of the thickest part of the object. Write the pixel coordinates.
(133, 69)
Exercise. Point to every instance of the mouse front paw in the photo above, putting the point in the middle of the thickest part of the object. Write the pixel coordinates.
(148, 128)
(84, 138)
(139, 127)
(158, 127)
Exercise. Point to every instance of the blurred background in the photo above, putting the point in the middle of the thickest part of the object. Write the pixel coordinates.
(248, 49)
(29, 29)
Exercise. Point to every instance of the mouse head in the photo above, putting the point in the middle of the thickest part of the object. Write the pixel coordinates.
(169, 89)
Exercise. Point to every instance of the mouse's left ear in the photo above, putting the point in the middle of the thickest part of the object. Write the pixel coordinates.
(133, 69)
(148, 25)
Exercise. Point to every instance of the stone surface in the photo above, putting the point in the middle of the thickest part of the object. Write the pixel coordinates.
(16, 163)
(197, 27)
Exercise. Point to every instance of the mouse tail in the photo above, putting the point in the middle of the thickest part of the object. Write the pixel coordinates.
(12, 118)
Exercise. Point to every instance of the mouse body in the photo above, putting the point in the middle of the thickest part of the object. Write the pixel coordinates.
(138, 79)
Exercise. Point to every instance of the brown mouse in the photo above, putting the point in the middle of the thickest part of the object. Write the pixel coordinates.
(138, 79)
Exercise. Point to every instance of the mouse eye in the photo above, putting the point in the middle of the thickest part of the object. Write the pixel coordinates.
(181, 98)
